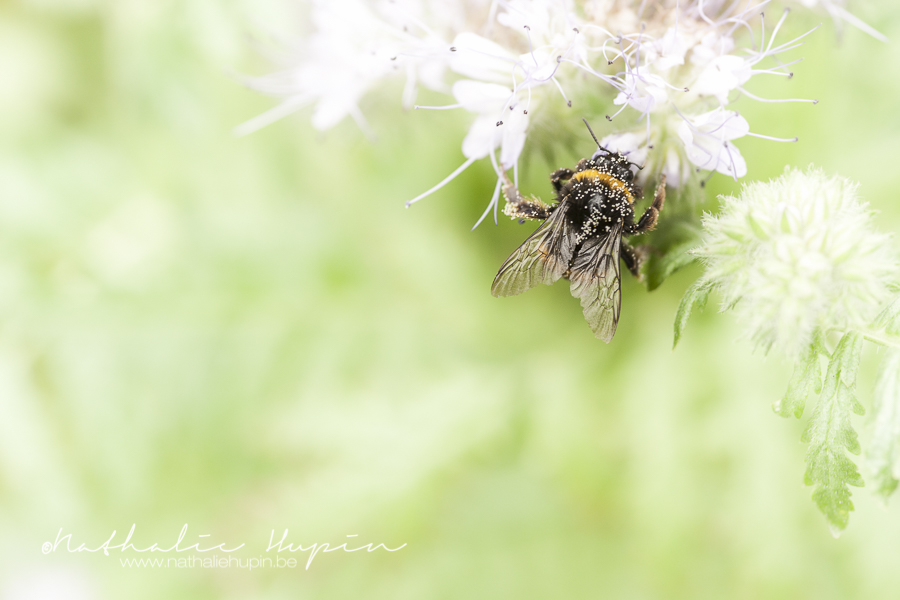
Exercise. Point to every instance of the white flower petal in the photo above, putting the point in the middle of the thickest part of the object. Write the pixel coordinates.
(481, 97)
(482, 138)
(711, 46)
(628, 144)
(540, 65)
(721, 75)
(733, 162)
(534, 15)
(669, 50)
(643, 92)
(706, 141)
(675, 170)
(727, 124)
(330, 110)
(514, 132)
(684, 132)
(548, 23)
(480, 58)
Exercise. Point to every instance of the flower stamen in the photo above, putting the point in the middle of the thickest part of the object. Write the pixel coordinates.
(444, 182)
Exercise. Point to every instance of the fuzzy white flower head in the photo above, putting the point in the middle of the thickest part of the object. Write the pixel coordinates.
(796, 255)
(670, 68)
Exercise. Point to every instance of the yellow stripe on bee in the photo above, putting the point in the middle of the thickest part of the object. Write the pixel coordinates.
(594, 175)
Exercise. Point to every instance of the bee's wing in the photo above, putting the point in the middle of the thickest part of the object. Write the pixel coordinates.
(542, 258)
(595, 278)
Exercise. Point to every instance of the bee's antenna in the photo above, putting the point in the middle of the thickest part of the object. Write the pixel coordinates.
(592, 133)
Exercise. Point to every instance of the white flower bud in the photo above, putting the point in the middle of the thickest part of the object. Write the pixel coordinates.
(798, 254)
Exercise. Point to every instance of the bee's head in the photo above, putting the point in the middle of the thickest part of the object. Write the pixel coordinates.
(611, 162)
(615, 164)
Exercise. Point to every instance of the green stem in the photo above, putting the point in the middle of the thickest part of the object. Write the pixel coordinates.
(878, 337)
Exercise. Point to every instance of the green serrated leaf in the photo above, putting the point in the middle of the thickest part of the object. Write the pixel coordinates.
(831, 495)
(807, 376)
(883, 455)
(660, 268)
(847, 353)
(889, 318)
(695, 297)
(676, 234)
(830, 435)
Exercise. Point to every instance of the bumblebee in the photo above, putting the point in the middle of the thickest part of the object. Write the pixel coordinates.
(581, 237)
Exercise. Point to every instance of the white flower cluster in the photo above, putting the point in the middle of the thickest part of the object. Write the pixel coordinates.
(798, 254)
(671, 67)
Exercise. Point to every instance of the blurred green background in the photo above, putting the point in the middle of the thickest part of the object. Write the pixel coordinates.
(254, 334)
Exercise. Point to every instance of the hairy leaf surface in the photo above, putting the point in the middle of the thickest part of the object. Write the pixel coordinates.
(830, 434)
(883, 455)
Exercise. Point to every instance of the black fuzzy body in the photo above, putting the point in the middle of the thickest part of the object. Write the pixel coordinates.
(598, 196)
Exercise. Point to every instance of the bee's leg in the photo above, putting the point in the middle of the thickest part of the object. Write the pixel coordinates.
(632, 259)
(648, 220)
(558, 176)
(520, 207)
